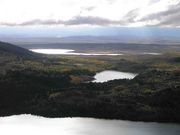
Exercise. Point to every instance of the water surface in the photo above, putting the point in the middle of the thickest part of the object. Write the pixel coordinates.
(33, 125)
(108, 75)
(151, 53)
(70, 52)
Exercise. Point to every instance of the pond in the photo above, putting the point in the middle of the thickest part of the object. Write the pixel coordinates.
(33, 125)
(108, 75)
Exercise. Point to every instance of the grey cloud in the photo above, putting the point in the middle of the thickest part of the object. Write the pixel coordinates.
(89, 8)
(173, 20)
(153, 1)
(33, 22)
(8, 24)
(38, 22)
(78, 20)
(131, 16)
(111, 1)
(169, 17)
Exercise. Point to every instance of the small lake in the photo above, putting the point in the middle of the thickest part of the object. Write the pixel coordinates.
(70, 52)
(33, 125)
(108, 75)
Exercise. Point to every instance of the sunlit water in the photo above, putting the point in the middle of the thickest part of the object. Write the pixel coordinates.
(70, 52)
(151, 53)
(33, 125)
(108, 75)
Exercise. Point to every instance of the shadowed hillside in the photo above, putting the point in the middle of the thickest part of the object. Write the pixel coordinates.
(9, 49)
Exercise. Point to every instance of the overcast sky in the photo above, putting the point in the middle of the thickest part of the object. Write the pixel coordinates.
(90, 13)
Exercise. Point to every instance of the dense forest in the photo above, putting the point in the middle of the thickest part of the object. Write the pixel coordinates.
(59, 86)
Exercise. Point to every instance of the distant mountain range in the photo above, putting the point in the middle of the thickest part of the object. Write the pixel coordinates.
(93, 39)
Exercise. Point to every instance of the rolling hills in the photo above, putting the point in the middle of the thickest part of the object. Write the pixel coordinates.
(54, 86)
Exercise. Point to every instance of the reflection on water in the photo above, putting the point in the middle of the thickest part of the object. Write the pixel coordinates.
(151, 53)
(32, 125)
(108, 75)
(70, 52)
(52, 51)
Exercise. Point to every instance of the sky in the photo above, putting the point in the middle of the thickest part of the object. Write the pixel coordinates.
(70, 16)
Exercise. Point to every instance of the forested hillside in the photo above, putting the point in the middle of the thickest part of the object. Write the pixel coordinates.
(59, 86)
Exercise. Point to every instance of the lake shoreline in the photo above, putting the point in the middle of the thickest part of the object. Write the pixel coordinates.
(130, 119)
(96, 118)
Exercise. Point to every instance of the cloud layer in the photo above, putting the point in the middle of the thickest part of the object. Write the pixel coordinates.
(158, 13)
(169, 17)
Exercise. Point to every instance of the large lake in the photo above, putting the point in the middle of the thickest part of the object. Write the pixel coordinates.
(108, 75)
(59, 51)
(70, 52)
(33, 125)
